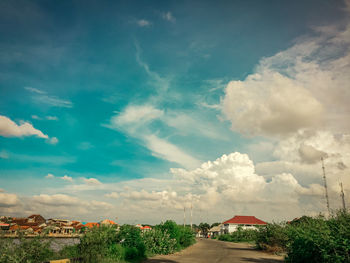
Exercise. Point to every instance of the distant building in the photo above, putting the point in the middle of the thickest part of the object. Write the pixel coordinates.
(245, 222)
(215, 230)
(108, 222)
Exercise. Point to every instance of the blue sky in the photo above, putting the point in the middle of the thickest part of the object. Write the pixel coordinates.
(120, 92)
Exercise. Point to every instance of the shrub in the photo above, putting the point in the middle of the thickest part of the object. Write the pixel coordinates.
(95, 244)
(272, 237)
(320, 240)
(184, 236)
(27, 250)
(159, 242)
(130, 238)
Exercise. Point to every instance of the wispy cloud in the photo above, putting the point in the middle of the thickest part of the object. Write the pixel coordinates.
(169, 17)
(42, 97)
(34, 90)
(143, 23)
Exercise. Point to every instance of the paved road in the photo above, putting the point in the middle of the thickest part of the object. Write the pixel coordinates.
(213, 251)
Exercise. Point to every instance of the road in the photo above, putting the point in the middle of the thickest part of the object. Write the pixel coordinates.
(213, 251)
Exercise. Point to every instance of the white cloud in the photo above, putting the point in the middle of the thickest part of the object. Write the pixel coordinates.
(167, 151)
(92, 181)
(144, 23)
(9, 128)
(34, 90)
(96, 205)
(269, 103)
(67, 178)
(49, 176)
(169, 17)
(43, 98)
(304, 86)
(56, 200)
(136, 115)
(51, 118)
(52, 140)
(36, 117)
(8, 200)
(113, 195)
(135, 120)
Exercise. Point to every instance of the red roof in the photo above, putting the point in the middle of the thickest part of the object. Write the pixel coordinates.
(146, 227)
(245, 220)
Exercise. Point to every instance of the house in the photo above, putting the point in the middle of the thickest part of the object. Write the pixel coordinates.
(91, 225)
(37, 219)
(215, 230)
(245, 222)
(145, 228)
(108, 222)
(4, 226)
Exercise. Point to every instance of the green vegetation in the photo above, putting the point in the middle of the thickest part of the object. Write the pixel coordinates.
(103, 244)
(307, 239)
(26, 250)
(240, 235)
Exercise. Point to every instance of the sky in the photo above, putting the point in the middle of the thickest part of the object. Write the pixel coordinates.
(136, 110)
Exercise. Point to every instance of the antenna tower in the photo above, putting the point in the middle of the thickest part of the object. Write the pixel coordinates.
(184, 216)
(342, 196)
(325, 186)
(191, 215)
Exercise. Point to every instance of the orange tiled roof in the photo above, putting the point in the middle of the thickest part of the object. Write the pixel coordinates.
(91, 225)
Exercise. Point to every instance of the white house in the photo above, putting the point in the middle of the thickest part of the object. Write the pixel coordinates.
(245, 222)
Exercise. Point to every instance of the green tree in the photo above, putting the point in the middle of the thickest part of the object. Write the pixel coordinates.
(204, 227)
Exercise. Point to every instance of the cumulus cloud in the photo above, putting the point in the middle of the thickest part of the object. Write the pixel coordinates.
(49, 176)
(56, 200)
(227, 185)
(67, 178)
(302, 87)
(9, 128)
(113, 195)
(91, 181)
(310, 154)
(8, 200)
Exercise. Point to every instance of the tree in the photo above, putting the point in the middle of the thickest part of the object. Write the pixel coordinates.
(204, 227)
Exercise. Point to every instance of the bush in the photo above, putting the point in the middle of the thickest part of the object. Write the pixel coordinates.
(130, 238)
(241, 235)
(95, 244)
(272, 237)
(26, 250)
(159, 242)
(184, 236)
(320, 240)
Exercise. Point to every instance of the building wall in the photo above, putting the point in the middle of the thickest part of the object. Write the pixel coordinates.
(229, 228)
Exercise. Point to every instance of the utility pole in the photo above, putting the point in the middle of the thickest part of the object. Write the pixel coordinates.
(325, 186)
(184, 216)
(342, 196)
